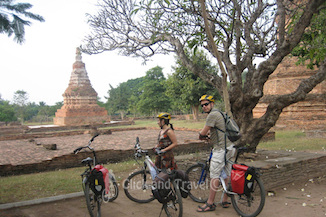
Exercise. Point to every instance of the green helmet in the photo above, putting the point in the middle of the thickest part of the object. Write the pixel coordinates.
(207, 97)
(164, 115)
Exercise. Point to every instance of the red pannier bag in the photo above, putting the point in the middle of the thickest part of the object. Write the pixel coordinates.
(238, 178)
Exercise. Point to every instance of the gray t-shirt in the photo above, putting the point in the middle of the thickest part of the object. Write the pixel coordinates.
(215, 119)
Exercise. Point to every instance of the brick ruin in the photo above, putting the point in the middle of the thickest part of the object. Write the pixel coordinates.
(309, 114)
(80, 100)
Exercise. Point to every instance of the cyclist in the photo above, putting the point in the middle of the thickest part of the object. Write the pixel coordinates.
(166, 141)
(217, 165)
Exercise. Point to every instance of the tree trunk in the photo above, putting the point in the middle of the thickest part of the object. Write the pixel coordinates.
(195, 112)
(122, 115)
(217, 55)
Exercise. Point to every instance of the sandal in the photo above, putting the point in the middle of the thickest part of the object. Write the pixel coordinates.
(225, 204)
(204, 208)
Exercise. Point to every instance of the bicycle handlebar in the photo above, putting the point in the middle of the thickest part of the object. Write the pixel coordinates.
(77, 150)
(88, 146)
(92, 139)
(139, 150)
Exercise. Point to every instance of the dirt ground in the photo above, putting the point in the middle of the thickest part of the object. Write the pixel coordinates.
(305, 198)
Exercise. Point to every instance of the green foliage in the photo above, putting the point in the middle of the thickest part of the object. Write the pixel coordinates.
(7, 112)
(11, 21)
(153, 100)
(28, 111)
(45, 113)
(312, 46)
(185, 88)
(123, 98)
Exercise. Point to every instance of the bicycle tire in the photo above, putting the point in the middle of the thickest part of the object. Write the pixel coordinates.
(113, 193)
(92, 201)
(174, 207)
(199, 191)
(250, 206)
(136, 189)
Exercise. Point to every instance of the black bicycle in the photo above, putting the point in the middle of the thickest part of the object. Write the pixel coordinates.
(139, 186)
(98, 184)
(246, 205)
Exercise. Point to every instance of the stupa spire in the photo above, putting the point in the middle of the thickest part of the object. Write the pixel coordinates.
(80, 99)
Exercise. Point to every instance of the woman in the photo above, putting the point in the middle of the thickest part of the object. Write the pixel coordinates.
(166, 141)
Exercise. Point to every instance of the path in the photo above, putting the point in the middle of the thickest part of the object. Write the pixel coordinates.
(299, 199)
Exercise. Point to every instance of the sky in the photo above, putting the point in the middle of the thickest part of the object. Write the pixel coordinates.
(43, 64)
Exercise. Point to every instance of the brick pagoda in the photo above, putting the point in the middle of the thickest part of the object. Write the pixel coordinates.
(80, 100)
(309, 114)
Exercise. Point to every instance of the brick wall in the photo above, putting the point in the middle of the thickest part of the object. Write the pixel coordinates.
(288, 173)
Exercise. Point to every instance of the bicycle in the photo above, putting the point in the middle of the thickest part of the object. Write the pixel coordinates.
(97, 188)
(245, 205)
(139, 186)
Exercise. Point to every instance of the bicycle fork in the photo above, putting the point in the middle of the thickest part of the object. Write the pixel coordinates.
(203, 174)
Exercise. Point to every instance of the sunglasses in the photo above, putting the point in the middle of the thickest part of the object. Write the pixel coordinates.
(205, 104)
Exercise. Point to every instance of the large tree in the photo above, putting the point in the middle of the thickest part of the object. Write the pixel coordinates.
(14, 18)
(244, 31)
(20, 101)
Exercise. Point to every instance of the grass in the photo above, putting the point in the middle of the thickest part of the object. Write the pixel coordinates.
(294, 141)
(39, 185)
(45, 184)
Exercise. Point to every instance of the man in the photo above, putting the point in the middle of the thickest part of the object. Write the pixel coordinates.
(215, 120)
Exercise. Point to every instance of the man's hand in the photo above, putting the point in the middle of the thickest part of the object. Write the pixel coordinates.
(203, 137)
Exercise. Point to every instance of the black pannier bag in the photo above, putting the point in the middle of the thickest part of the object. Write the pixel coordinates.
(97, 182)
(249, 181)
(182, 180)
(161, 187)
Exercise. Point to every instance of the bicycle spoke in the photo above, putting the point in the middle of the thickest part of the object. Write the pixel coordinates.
(200, 183)
(252, 204)
(92, 201)
(174, 208)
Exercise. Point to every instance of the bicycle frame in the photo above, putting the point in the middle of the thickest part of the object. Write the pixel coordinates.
(171, 202)
(204, 171)
(247, 204)
(148, 163)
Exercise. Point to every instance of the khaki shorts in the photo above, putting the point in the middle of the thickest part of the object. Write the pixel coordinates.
(218, 163)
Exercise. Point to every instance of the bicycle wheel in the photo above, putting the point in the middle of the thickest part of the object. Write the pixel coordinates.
(174, 208)
(200, 183)
(92, 201)
(113, 193)
(137, 189)
(252, 205)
